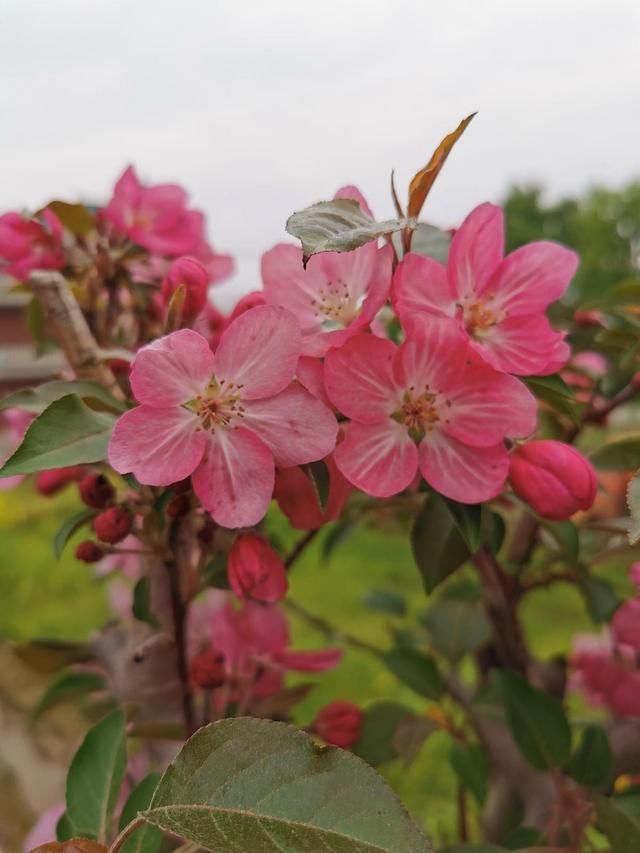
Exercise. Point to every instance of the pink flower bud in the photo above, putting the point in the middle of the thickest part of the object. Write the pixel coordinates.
(113, 525)
(248, 301)
(89, 551)
(625, 625)
(255, 570)
(51, 482)
(194, 277)
(634, 575)
(339, 723)
(555, 479)
(586, 319)
(207, 669)
(96, 491)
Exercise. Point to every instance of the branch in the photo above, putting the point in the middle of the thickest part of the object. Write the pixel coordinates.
(300, 547)
(331, 631)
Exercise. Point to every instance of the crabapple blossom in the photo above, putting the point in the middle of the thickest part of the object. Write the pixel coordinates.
(336, 296)
(190, 274)
(553, 478)
(30, 244)
(499, 301)
(431, 405)
(255, 570)
(225, 419)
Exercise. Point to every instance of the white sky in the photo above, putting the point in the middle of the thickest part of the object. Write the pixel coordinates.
(260, 107)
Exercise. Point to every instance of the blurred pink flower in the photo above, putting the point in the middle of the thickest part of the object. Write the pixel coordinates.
(30, 244)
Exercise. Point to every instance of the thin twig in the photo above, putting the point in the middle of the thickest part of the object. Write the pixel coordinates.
(331, 631)
(179, 624)
(129, 829)
(300, 547)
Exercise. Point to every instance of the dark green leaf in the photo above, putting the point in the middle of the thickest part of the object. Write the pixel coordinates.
(243, 785)
(537, 722)
(416, 670)
(620, 828)
(470, 764)
(380, 724)
(76, 218)
(494, 529)
(468, 519)
(554, 391)
(68, 684)
(410, 736)
(318, 474)
(385, 601)
(66, 433)
(70, 526)
(37, 328)
(620, 454)
(591, 762)
(95, 776)
(65, 830)
(37, 399)
(427, 240)
(524, 837)
(456, 626)
(566, 535)
(338, 533)
(142, 603)
(600, 598)
(147, 838)
(438, 548)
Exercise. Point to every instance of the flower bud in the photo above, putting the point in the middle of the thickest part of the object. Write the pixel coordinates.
(194, 277)
(248, 301)
(587, 319)
(178, 506)
(555, 479)
(113, 525)
(339, 723)
(89, 551)
(51, 482)
(207, 670)
(96, 491)
(625, 625)
(255, 570)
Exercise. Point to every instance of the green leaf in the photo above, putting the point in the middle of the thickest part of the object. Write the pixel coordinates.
(36, 323)
(147, 838)
(338, 533)
(566, 535)
(537, 722)
(472, 768)
(66, 433)
(438, 548)
(76, 218)
(68, 684)
(456, 626)
(65, 830)
(385, 601)
(468, 520)
(554, 391)
(243, 785)
(591, 763)
(620, 828)
(427, 240)
(47, 656)
(95, 777)
(142, 603)
(600, 598)
(380, 724)
(633, 502)
(339, 225)
(620, 454)
(318, 474)
(415, 669)
(37, 399)
(70, 526)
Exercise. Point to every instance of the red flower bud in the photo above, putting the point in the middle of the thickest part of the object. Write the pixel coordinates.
(96, 491)
(255, 570)
(178, 506)
(339, 723)
(207, 670)
(51, 482)
(194, 277)
(119, 366)
(89, 551)
(555, 479)
(113, 524)
(587, 319)
(248, 301)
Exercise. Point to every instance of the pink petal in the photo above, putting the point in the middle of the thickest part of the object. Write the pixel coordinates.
(381, 459)
(298, 499)
(466, 474)
(310, 374)
(235, 479)
(294, 425)
(434, 353)
(421, 284)
(360, 381)
(159, 446)
(524, 345)
(532, 277)
(310, 661)
(255, 570)
(476, 250)
(172, 370)
(260, 351)
(354, 194)
(287, 283)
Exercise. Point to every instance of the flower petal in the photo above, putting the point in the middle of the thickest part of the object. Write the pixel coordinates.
(422, 284)
(359, 378)
(260, 351)
(354, 193)
(235, 479)
(466, 474)
(294, 425)
(172, 370)
(288, 284)
(310, 661)
(532, 277)
(310, 374)
(158, 446)
(381, 459)
(524, 345)
(476, 250)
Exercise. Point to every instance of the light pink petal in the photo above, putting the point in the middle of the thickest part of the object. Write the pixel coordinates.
(476, 250)
(526, 346)
(421, 284)
(259, 351)
(354, 193)
(532, 277)
(466, 474)
(433, 355)
(172, 370)
(288, 284)
(294, 425)
(235, 479)
(310, 374)
(44, 829)
(310, 661)
(360, 381)
(381, 459)
(158, 446)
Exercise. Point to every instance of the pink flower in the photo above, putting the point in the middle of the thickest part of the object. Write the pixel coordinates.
(190, 274)
(553, 478)
(13, 425)
(634, 575)
(625, 625)
(500, 302)
(432, 405)
(297, 498)
(338, 295)
(30, 244)
(227, 419)
(607, 675)
(156, 217)
(255, 570)
(219, 267)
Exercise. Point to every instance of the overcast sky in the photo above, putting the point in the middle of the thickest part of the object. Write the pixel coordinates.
(260, 107)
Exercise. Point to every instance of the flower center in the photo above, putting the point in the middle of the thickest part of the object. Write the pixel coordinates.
(219, 407)
(421, 411)
(479, 315)
(334, 305)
